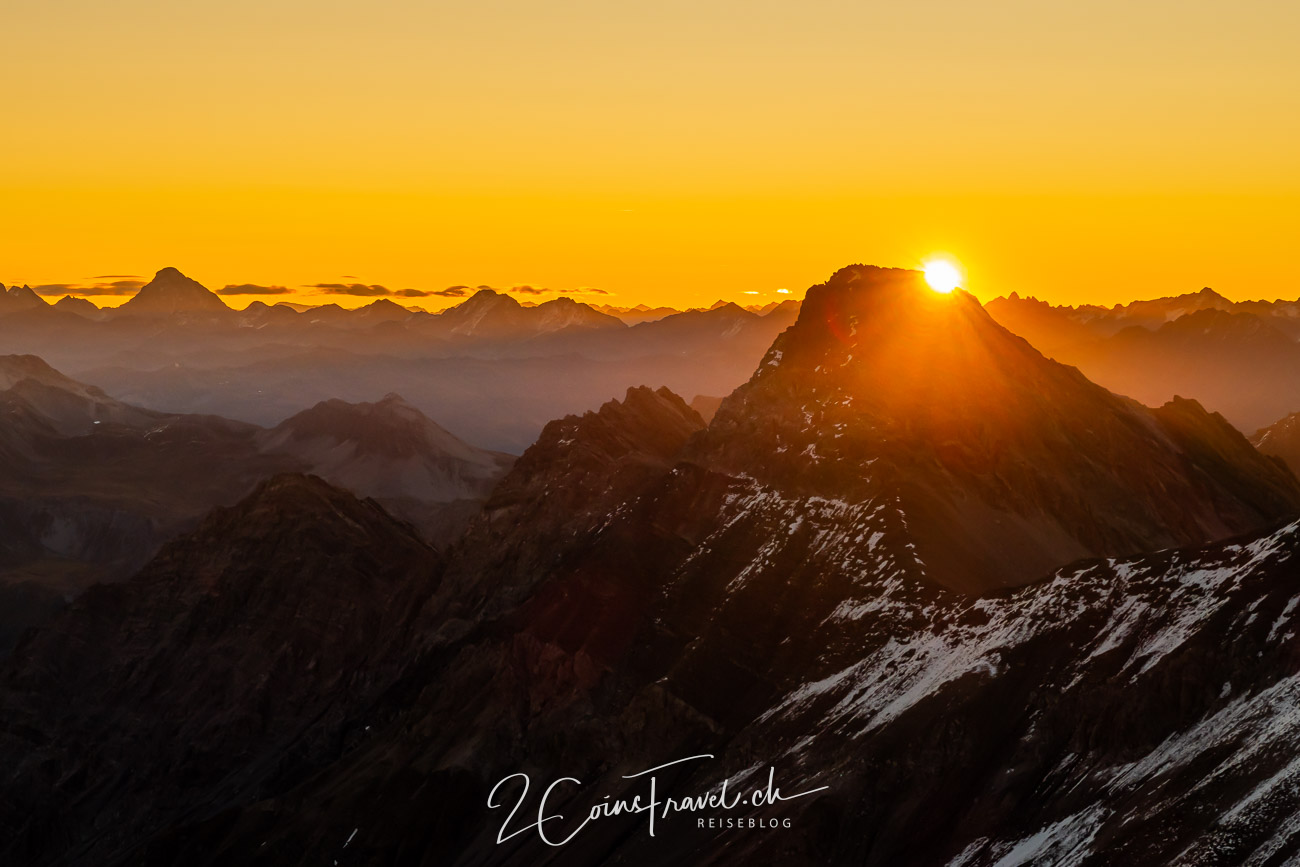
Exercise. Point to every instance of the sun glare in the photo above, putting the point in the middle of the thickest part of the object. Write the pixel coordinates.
(942, 275)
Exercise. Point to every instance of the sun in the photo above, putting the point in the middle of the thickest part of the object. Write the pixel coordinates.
(942, 275)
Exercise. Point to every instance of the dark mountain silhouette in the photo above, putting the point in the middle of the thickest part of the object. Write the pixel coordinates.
(1004, 464)
(171, 292)
(303, 681)
(234, 648)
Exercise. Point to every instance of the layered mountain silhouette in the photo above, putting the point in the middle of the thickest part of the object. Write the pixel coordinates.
(91, 486)
(1238, 358)
(821, 581)
(491, 368)
(490, 314)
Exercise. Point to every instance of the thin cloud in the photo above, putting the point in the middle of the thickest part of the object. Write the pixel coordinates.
(253, 289)
(117, 287)
(412, 293)
(537, 290)
(451, 292)
(117, 277)
(358, 289)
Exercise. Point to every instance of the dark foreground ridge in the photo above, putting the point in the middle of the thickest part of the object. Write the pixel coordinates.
(304, 681)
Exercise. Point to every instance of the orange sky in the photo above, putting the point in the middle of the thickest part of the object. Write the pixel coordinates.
(670, 152)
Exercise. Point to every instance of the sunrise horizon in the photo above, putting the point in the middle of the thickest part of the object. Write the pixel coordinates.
(488, 433)
(668, 155)
(108, 291)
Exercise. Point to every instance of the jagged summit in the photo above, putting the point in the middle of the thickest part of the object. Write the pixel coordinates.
(17, 299)
(170, 292)
(1005, 464)
(648, 422)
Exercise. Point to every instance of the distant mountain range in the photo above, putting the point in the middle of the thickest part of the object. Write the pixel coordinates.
(1239, 358)
(489, 367)
(1002, 615)
(171, 293)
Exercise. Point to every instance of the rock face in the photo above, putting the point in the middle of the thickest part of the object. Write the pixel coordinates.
(817, 582)
(1281, 440)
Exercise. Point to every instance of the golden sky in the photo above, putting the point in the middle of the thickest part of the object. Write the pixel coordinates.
(665, 152)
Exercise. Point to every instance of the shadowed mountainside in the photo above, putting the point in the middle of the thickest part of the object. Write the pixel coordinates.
(91, 486)
(768, 590)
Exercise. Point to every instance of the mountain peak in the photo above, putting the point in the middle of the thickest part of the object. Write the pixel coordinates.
(386, 305)
(489, 296)
(888, 320)
(169, 275)
(386, 449)
(78, 305)
(171, 292)
(884, 388)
